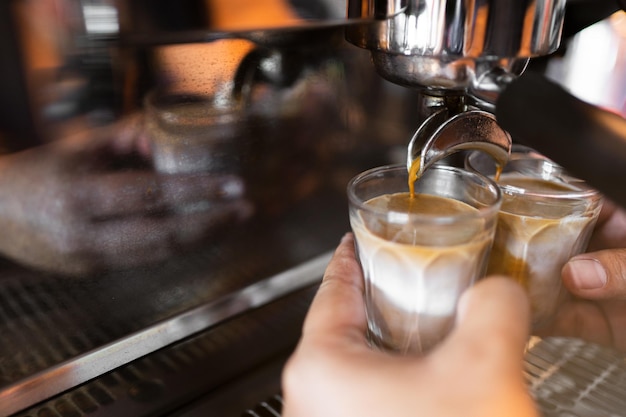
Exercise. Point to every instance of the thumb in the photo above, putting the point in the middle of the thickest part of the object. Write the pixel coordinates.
(493, 321)
(597, 275)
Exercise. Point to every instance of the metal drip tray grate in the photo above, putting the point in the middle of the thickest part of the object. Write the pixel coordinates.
(567, 377)
(167, 380)
(271, 407)
(42, 325)
(571, 378)
(59, 332)
(234, 370)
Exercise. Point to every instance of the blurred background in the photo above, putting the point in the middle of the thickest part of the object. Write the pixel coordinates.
(172, 183)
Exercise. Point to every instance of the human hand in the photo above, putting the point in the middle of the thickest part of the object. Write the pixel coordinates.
(476, 371)
(91, 202)
(597, 282)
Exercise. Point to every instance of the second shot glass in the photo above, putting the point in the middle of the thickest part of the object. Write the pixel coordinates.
(547, 216)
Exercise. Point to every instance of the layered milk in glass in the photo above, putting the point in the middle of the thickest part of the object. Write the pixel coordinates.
(419, 252)
(542, 223)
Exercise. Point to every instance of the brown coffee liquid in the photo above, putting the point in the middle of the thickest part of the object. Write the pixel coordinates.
(425, 233)
(425, 204)
(528, 206)
(501, 261)
(415, 167)
(522, 222)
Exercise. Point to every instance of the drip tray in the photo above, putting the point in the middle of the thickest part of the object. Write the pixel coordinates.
(60, 332)
(234, 369)
(570, 378)
(567, 377)
(242, 355)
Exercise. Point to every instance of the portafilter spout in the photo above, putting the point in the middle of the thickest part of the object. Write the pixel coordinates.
(444, 45)
(447, 131)
(451, 48)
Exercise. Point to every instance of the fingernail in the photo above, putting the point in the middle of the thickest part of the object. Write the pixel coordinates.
(586, 274)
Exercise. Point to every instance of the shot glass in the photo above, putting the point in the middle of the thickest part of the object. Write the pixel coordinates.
(420, 253)
(547, 216)
(191, 132)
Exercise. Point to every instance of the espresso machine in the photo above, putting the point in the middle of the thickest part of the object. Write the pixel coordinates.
(300, 95)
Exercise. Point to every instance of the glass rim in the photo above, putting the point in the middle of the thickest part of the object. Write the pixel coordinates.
(579, 188)
(165, 106)
(574, 194)
(486, 210)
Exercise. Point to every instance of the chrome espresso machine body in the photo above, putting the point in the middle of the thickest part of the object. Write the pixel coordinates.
(293, 96)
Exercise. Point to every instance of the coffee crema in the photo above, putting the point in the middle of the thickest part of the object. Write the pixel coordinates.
(427, 233)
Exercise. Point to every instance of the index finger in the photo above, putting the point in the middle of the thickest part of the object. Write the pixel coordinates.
(338, 309)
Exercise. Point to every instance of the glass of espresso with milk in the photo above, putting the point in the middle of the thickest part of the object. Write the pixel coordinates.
(547, 216)
(419, 248)
(422, 242)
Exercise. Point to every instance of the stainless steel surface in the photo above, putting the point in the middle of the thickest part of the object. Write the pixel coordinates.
(445, 45)
(59, 332)
(233, 369)
(216, 372)
(88, 365)
(569, 377)
(443, 134)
